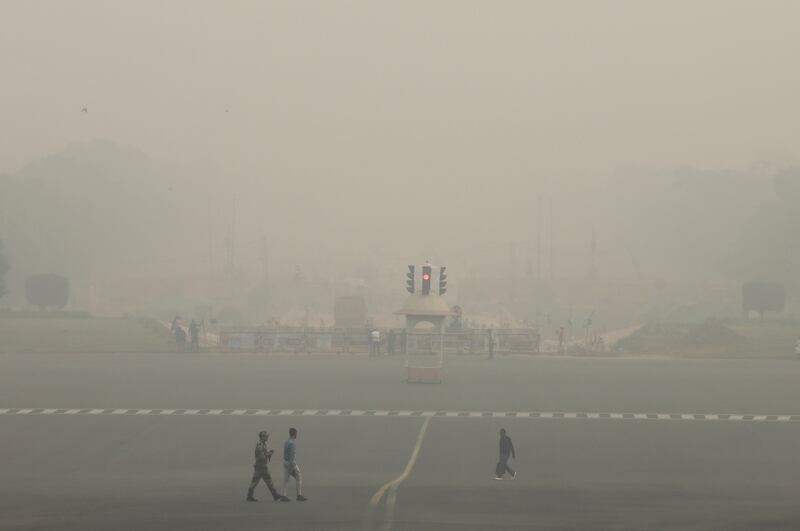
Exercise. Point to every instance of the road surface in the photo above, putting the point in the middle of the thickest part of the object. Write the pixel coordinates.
(166, 442)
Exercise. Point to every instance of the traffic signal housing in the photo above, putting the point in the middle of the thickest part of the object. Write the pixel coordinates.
(410, 279)
(442, 281)
(426, 280)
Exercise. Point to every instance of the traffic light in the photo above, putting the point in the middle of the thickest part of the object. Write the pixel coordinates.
(426, 280)
(442, 281)
(410, 279)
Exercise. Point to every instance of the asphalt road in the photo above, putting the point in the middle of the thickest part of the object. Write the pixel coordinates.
(191, 472)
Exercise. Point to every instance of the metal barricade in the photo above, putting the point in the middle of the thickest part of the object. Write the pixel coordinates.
(469, 341)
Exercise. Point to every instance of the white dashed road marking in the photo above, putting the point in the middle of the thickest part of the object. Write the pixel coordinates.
(535, 415)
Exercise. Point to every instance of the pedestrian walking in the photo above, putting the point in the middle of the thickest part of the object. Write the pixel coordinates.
(290, 468)
(261, 470)
(506, 452)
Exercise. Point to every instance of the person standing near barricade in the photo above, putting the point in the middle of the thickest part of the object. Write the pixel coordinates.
(261, 470)
(375, 342)
(194, 336)
(180, 335)
(491, 344)
(290, 468)
(390, 341)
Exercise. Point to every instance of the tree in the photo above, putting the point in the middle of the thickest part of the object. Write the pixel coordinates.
(47, 290)
(4, 267)
(763, 297)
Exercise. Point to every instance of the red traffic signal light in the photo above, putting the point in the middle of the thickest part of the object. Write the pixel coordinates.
(426, 279)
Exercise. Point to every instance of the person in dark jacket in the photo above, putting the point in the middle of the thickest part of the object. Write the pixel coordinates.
(261, 469)
(506, 452)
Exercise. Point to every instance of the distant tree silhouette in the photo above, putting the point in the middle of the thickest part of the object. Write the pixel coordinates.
(48, 290)
(763, 297)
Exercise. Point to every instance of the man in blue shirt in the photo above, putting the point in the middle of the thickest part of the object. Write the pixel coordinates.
(290, 468)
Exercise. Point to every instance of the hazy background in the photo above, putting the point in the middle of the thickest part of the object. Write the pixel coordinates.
(357, 137)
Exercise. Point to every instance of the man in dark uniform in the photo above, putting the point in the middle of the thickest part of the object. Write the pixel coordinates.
(261, 469)
(506, 452)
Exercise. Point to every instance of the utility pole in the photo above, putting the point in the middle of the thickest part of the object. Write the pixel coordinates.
(512, 256)
(230, 248)
(210, 243)
(592, 267)
(539, 241)
(265, 257)
(552, 268)
(233, 246)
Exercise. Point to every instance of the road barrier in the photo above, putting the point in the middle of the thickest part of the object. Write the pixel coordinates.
(470, 341)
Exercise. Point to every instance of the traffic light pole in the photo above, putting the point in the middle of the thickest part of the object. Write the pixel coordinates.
(441, 345)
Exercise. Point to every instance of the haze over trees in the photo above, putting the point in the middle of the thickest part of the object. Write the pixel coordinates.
(100, 213)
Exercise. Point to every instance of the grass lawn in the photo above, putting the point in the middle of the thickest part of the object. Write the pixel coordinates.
(775, 337)
(83, 335)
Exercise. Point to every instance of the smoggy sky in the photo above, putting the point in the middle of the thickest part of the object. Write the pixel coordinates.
(369, 110)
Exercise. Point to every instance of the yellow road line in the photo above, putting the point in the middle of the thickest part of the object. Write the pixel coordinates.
(391, 500)
(376, 498)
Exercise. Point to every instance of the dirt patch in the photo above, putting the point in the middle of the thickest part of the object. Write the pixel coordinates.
(709, 338)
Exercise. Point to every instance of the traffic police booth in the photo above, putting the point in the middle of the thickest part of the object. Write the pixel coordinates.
(426, 284)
